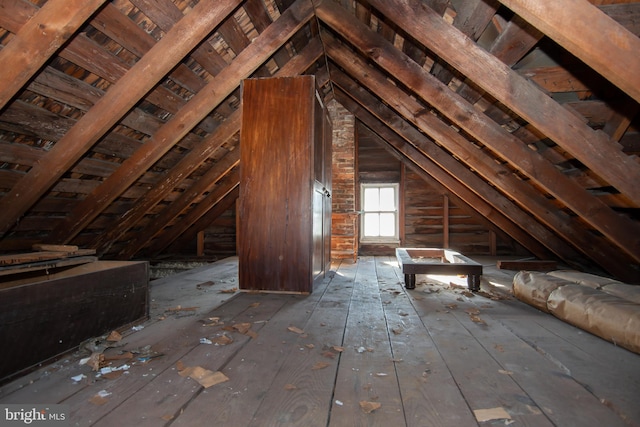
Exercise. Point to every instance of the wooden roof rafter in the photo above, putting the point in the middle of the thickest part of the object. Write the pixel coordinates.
(481, 127)
(102, 200)
(112, 106)
(40, 38)
(592, 148)
(189, 116)
(529, 203)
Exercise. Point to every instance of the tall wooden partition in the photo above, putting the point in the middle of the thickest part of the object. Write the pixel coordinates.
(285, 185)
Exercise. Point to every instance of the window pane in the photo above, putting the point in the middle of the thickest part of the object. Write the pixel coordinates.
(387, 224)
(387, 199)
(371, 199)
(371, 224)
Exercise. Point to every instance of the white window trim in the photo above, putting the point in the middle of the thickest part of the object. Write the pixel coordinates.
(386, 239)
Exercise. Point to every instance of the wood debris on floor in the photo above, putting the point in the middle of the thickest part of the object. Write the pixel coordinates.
(359, 350)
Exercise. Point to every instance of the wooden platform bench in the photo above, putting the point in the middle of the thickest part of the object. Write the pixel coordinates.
(414, 261)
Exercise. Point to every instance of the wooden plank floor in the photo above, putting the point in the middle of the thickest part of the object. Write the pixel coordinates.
(359, 351)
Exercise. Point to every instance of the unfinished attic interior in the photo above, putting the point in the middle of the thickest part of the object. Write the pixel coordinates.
(253, 143)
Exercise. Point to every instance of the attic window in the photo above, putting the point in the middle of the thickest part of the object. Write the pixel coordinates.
(379, 220)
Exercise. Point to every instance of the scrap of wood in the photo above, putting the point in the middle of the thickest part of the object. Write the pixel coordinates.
(122, 356)
(243, 328)
(319, 365)
(114, 336)
(498, 413)
(8, 268)
(369, 407)
(30, 257)
(56, 248)
(96, 361)
(476, 319)
(205, 377)
(222, 340)
(100, 398)
(536, 265)
(211, 321)
(228, 291)
(208, 283)
(295, 330)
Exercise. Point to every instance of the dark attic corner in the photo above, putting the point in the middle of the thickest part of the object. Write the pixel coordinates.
(320, 212)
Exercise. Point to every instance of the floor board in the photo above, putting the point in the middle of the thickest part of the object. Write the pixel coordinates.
(359, 351)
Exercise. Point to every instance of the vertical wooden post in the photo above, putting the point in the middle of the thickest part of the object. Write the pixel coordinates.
(445, 221)
(493, 244)
(401, 209)
(200, 244)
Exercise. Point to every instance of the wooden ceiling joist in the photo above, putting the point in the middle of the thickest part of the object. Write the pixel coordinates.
(295, 66)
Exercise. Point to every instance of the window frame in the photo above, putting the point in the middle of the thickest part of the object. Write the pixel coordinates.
(380, 239)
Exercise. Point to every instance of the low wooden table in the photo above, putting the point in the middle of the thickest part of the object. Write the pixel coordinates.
(437, 261)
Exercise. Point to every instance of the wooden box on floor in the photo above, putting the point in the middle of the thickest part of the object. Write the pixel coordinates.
(285, 185)
(50, 313)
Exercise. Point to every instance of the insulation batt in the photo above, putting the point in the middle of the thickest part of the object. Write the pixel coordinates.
(610, 317)
(534, 288)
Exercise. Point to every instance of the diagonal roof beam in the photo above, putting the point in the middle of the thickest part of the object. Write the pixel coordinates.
(616, 227)
(590, 34)
(203, 222)
(194, 158)
(187, 165)
(209, 181)
(38, 39)
(217, 194)
(525, 196)
(593, 148)
(184, 120)
(296, 65)
(387, 91)
(456, 179)
(116, 102)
